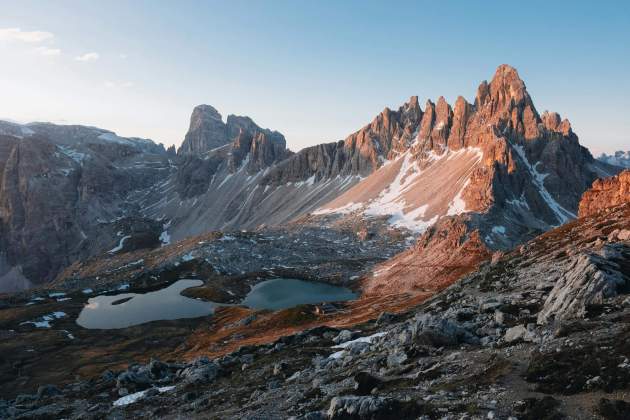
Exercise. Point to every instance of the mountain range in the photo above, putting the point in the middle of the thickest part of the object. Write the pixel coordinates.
(502, 169)
(619, 158)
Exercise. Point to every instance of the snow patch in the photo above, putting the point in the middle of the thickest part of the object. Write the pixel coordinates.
(499, 230)
(165, 238)
(458, 205)
(348, 208)
(132, 398)
(563, 215)
(392, 202)
(72, 154)
(343, 346)
(120, 245)
(44, 321)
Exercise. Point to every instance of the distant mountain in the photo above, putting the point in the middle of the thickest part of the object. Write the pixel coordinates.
(620, 158)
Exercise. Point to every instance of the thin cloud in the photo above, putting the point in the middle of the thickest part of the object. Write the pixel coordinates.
(48, 52)
(91, 56)
(17, 34)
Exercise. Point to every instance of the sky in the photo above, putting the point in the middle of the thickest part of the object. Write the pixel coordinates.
(314, 70)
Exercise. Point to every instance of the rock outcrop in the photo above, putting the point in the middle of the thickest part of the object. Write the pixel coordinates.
(606, 193)
(590, 279)
(444, 253)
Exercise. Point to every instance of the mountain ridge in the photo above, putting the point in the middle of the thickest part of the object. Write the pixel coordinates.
(517, 172)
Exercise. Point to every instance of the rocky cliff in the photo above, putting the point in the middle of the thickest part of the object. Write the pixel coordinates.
(208, 132)
(64, 196)
(606, 193)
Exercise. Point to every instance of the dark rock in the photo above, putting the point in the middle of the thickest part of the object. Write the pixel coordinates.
(384, 318)
(371, 408)
(45, 391)
(157, 369)
(201, 371)
(545, 408)
(279, 368)
(365, 383)
(134, 380)
(614, 409)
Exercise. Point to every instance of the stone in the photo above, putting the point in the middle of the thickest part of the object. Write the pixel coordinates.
(516, 333)
(279, 368)
(590, 278)
(432, 330)
(134, 380)
(201, 371)
(396, 358)
(370, 408)
(365, 383)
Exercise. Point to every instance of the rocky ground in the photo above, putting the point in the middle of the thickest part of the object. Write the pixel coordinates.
(539, 333)
(43, 344)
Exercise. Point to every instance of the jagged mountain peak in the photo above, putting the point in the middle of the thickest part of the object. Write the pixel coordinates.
(205, 111)
(507, 82)
(498, 158)
(208, 131)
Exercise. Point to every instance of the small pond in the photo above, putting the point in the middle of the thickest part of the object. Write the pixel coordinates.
(127, 309)
(285, 293)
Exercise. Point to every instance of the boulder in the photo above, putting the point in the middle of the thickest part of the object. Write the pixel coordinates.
(371, 408)
(201, 371)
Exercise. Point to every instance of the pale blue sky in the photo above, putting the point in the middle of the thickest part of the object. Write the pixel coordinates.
(316, 70)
